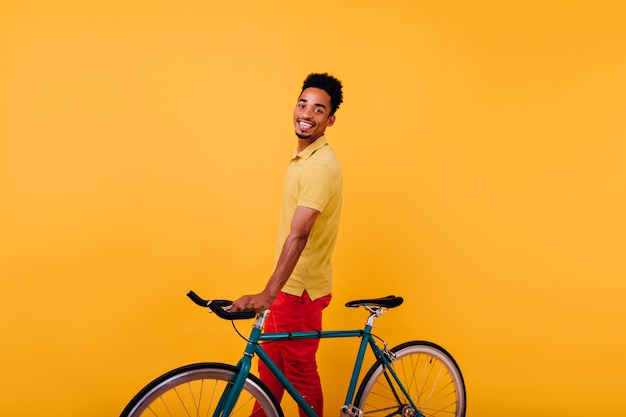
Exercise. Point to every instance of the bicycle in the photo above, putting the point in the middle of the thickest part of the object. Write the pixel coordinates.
(416, 378)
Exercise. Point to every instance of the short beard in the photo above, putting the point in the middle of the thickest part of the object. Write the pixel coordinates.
(301, 136)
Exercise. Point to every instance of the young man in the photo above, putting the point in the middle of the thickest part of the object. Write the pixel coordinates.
(300, 287)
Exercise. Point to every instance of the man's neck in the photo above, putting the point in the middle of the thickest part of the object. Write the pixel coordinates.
(304, 143)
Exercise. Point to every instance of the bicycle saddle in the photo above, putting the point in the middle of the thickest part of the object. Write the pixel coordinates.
(389, 301)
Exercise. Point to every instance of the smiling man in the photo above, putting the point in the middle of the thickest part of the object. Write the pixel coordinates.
(300, 287)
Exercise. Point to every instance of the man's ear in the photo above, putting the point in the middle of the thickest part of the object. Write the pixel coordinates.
(331, 120)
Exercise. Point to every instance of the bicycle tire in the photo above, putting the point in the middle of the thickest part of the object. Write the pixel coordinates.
(430, 375)
(195, 390)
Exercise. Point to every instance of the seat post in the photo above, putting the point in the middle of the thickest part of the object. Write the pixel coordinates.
(375, 313)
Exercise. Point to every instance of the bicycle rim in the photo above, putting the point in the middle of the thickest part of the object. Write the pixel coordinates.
(195, 390)
(429, 374)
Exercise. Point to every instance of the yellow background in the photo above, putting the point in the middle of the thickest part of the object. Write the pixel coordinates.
(143, 146)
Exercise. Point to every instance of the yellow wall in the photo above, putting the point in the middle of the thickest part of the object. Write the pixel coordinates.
(142, 151)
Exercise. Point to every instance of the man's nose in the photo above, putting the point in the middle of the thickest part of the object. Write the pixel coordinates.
(306, 112)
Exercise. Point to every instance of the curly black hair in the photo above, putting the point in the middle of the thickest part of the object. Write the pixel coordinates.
(327, 83)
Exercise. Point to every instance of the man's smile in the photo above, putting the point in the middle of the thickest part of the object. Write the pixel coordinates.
(304, 124)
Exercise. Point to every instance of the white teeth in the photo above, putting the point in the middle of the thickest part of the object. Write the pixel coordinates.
(305, 125)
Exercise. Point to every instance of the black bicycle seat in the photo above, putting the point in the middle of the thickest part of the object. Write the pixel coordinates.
(389, 301)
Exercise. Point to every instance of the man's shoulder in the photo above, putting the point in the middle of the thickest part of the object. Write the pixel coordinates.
(325, 153)
(325, 157)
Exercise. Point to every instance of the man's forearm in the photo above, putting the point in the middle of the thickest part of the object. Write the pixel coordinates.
(289, 255)
(293, 246)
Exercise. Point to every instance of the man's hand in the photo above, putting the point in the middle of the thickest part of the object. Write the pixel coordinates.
(258, 303)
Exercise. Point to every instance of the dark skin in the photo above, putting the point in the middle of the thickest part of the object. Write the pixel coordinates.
(311, 117)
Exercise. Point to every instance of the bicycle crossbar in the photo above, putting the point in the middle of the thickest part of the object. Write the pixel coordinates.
(324, 334)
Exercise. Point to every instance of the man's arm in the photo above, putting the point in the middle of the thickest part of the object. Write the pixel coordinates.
(301, 225)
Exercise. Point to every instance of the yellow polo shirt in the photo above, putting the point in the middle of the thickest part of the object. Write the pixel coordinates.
(314, 180)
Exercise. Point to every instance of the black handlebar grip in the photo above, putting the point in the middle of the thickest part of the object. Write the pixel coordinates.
(197, 299)
(217, 306)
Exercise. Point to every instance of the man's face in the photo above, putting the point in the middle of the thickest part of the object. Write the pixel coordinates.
(312, 114)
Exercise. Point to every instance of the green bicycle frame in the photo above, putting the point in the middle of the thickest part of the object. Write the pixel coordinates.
(231, 393)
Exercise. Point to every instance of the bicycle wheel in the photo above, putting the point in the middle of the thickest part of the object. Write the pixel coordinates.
(195, 390)
(428, 373)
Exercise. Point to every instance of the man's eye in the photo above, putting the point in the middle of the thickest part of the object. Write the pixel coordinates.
(319, 111)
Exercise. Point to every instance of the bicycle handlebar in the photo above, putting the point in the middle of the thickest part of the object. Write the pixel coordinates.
(221, 308)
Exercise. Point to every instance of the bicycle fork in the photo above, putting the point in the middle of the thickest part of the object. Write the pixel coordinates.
(235, 385)
(233, 388)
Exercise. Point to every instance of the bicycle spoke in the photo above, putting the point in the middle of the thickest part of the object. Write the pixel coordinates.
(429, 376)
(198, 391)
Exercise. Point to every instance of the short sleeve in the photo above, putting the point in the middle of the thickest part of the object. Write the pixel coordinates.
(317, 186)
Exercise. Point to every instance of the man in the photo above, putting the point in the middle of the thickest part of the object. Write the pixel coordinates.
(300, 287)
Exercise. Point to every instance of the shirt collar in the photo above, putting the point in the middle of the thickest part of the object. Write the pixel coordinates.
(310, 150)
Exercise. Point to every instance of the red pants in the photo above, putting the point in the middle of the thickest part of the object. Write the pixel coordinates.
(296, 358)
